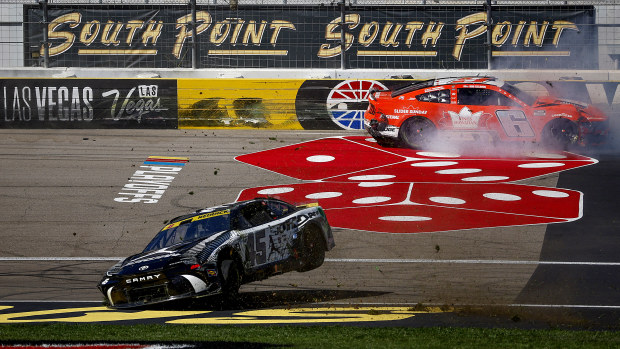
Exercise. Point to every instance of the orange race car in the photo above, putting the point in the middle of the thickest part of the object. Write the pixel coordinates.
(479, 108)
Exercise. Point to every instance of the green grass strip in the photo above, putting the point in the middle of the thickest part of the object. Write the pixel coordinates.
(312, 336)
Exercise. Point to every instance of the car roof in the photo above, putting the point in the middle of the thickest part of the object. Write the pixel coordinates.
(486, 80)
(229, 206)
(418, 85)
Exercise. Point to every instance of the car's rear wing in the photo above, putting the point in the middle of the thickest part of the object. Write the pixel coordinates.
(372, 91)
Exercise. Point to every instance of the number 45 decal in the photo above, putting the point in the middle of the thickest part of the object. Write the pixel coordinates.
(515, 123)
(258, 247)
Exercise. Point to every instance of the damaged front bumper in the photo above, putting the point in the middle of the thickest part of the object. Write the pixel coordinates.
(593, 133)
(118, 294)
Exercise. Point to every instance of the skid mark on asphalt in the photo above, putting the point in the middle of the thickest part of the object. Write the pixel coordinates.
(363, 186)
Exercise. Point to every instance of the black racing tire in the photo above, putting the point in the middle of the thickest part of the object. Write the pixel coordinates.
(230, 273)
(417, 132)
(313, 249)
(560, 134)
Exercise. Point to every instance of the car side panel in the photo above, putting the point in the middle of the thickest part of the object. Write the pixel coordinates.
(269, 243)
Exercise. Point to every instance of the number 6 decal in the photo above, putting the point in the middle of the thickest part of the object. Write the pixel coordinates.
(515, 123)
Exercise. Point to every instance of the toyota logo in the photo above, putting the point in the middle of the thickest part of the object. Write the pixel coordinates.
(143, 268)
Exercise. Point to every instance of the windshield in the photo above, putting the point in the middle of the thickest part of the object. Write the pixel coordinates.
(520, 94)
(197, 227)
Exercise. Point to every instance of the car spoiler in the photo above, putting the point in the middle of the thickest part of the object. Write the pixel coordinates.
(372, 91)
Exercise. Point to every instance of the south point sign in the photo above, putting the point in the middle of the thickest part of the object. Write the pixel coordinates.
(311, 37)
(403, 38)
(124, 37)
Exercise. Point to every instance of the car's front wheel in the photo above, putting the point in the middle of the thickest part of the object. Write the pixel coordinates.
(230, 273)
(560, 134)
(417, 132)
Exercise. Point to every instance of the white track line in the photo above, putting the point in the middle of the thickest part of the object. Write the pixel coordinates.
(467, 261)
(51, 259)
(346, 260)
(559, 306)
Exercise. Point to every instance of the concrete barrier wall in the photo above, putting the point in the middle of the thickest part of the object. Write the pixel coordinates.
(229, 102)
(238, 103)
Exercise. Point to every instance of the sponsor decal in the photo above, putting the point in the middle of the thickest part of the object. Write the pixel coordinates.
(148, 184)
(159, 36)
(197, 218)
(411, 110)
(436, 88)
(81, 103)
(211, 272)
(562, 115)
(348, 101)
(465, 118)
(143, 279)
(134, 105)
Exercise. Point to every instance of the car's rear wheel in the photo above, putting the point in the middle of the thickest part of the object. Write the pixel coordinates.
(313, 249)
(560, 134)
(417, 132)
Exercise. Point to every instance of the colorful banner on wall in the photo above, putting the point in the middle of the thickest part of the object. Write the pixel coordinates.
(88, 103)
(403, 37)
(225, 103)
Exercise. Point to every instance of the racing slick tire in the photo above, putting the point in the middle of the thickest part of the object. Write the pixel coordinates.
(417, 131)
(313, 249)
(560, 134)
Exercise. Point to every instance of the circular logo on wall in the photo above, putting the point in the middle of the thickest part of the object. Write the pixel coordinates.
(348, 101)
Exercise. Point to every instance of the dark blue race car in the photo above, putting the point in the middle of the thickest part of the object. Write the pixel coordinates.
(215, 250)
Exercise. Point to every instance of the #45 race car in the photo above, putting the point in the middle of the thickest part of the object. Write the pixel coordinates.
(479, 108)
(215, 250)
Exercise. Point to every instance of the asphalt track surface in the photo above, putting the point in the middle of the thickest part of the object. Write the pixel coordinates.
(62, 229)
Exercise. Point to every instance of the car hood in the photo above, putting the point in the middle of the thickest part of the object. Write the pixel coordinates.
(550, 100)
(157, 259)
(587, 110)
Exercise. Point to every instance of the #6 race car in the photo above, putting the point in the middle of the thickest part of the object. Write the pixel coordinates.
(479, 108)
(215, 250)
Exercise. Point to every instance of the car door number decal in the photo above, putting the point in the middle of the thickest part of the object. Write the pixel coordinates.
(515, 123)
(271, 244)
(258, 247)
